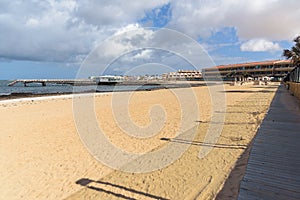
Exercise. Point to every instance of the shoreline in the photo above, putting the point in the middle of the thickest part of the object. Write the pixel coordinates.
(31, 96)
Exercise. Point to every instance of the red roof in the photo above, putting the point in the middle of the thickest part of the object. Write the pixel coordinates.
(270, 62)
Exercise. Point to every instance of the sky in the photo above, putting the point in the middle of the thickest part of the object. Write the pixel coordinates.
(79, 38)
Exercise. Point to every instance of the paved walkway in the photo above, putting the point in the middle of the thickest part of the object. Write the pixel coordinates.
(273, 169)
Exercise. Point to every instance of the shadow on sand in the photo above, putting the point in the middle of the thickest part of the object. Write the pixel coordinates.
(267, 86)
(247, 91)
(238, 112)
(225, 123)
(85, 182)
(216, 145)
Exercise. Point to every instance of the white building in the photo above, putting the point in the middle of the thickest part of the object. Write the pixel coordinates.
(107, 79)
(183, 75)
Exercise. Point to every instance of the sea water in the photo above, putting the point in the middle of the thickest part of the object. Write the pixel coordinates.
(37, 88)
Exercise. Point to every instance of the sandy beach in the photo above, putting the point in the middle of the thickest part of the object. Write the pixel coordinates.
(43, 156)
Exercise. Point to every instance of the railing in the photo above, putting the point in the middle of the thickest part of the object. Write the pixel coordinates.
(292, 82)
(294, 75)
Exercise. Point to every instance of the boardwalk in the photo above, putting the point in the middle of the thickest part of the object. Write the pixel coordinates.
(273, 169)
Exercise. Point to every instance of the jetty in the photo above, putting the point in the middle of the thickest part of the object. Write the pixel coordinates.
(44, 82)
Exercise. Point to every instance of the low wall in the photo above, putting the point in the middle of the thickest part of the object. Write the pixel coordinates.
(294, 89)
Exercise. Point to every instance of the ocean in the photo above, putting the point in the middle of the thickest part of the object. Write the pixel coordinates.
(37, 89)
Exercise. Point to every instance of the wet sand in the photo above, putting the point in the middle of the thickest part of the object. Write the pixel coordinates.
(43, 157)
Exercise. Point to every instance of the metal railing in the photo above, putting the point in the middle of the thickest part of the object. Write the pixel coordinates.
(294, 75)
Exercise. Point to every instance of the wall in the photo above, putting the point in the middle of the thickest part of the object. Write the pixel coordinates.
(294, 89)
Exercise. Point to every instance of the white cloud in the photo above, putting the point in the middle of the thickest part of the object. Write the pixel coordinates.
(272, 19)
(137, 47)
(42, 30)
(115, 12)
(63, 30)
(32, 22)
(260, 45)
(126, 39)
(144, 54)
(67, 30)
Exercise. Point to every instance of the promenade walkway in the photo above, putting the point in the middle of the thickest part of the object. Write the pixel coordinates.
(273, 169)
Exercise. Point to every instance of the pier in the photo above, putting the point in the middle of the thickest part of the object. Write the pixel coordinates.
(44, 82)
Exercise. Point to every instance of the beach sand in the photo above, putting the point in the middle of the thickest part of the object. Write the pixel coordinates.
(43, 157)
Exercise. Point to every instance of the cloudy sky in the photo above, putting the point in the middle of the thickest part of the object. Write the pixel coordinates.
(53, 39)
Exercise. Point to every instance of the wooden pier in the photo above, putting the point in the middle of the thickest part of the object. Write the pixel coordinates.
(44, 82)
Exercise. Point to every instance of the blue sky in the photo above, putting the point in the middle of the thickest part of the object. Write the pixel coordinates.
(53, 39)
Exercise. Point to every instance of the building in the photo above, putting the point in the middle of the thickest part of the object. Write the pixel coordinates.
(107, 79)
(183, 75)
(277, 69)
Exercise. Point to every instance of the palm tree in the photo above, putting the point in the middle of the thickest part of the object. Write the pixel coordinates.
(246, 74)
(294, 53)
(232, 74)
